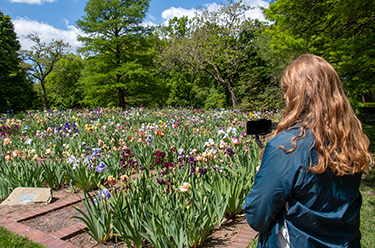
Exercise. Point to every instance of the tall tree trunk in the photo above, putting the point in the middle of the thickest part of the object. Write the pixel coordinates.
(228, 83)
(233, 95)
(121, 98)
(45, 106)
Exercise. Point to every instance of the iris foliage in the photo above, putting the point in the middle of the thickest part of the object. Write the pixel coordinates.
(163, 176)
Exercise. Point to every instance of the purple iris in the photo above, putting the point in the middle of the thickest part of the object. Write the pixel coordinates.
(202, 171)
(191, 160)
(192, 170)
(105, 193)
(229, 151)
(101, 167)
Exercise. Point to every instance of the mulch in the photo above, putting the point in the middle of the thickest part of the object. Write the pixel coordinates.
(61, 218)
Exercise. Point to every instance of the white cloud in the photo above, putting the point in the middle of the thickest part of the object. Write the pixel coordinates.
(66, 21)
(179, 12)
(148, 23)
(33, 1)
(256, 13)
(152, 17)
(23, 27)
(212, 6)
(260, 3)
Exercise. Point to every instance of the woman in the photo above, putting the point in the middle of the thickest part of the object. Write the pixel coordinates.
(306, 193)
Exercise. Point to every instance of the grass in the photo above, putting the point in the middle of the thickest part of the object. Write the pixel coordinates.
(368, 196)
(368, 221)
(9, 239)
(367, 188)
(253, 243)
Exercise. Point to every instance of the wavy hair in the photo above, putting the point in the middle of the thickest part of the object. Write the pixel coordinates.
(315, 100)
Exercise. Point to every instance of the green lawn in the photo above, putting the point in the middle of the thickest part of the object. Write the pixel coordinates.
(9, 239)
(368, 221)
(368, 196)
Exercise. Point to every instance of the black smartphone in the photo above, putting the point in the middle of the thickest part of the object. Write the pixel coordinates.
(261, 126)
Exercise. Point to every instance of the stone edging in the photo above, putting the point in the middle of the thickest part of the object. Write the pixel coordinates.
(56, 239)
(243, 237)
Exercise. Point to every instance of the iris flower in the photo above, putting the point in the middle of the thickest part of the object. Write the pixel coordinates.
(104, 193)
(101, 167)
(185, 187)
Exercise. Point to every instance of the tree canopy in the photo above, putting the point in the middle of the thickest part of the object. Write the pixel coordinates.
(219, 58)
(63, 89)
(217, 43)
(40, 60)
(341, 31)
(120, 57)
(16, 92)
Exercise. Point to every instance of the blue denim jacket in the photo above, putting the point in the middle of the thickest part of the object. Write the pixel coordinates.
(323, 209)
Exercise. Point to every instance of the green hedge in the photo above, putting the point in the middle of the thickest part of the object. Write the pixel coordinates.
(367, 108)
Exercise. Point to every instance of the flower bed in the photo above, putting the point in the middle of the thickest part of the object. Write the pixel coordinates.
(194, 168)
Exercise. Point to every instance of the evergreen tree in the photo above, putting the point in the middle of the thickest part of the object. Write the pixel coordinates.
(16, 92)
(120, 61)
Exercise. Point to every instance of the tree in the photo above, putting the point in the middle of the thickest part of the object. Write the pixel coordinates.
(218, 43)
(120, 58)
(256, 87)
(16, 91)
(185, 86)
(63, 89)
(341, 31)
(40, 60)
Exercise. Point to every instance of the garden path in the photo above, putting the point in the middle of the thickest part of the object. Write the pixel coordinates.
(52, 226)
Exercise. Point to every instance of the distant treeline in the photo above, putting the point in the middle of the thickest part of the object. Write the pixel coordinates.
(218, 59)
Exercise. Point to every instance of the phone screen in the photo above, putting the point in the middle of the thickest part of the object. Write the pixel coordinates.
(261, 126)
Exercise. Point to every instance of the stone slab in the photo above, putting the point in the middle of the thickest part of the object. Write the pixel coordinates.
(26, 195)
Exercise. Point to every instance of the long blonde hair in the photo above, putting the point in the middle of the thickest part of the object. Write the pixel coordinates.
(316, 101)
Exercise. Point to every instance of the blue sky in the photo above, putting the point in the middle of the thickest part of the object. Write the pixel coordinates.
(55, 19)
